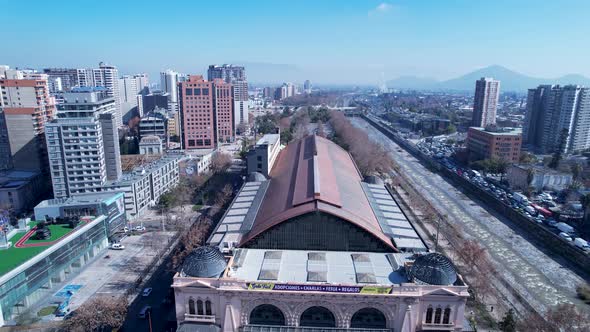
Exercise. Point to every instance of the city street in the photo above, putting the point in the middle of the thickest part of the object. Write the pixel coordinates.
(540, 279)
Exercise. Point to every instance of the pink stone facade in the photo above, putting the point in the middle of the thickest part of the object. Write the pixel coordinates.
(230, 304)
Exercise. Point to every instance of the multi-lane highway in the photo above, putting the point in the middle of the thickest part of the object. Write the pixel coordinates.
(540, 279)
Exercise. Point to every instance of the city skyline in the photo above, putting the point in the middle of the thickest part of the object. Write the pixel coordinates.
(389, 39)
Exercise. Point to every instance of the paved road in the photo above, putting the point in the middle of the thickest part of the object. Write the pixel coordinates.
(540, 279)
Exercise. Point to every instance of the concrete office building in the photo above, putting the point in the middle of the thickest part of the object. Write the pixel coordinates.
(83, 143)
(486, 143)
(263, 155)
(61, 79)
(153, 124)
(21, 189)
(105, 76)
(544, 178)
(154, 100)
(111, 205)
(25, 107)
(555, 112)
(29, 276)
(169, 84)
(131, 89)
(206, 112)
(236, 75)
(485, 102)
(317, 248)
(151, 145)
(144, 185)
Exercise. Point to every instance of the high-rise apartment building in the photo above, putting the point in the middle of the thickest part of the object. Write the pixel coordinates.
(83, 143)
(307, 86)
(557, 115)
(485, 102)
(236, 75)
(105, 76)
(131, 90)
(169, 84)
(207, 112)
(25, 107)
(61, 79)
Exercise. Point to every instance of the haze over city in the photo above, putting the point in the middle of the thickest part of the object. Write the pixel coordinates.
(334, 42)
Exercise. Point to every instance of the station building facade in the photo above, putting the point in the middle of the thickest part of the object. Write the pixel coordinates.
(315, 247)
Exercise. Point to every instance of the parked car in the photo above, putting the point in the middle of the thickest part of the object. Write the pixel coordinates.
(146, 291)
(139, 228)
(144, 311)
(117, 246)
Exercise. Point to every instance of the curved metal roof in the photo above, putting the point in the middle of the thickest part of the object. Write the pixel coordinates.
(433, 269)
(315, 174)
(204, 262)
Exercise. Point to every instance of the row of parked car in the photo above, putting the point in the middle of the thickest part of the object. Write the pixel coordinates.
(537, 211)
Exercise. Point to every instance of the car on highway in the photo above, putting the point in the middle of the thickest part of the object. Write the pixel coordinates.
(146, 292)
(565, 236)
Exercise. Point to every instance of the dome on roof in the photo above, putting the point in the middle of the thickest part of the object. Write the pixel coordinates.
(256, 176)
(433, 269)
(204, 262)
(373, 179)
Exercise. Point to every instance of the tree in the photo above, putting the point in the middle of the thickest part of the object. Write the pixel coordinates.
(527, 158)
(451, 129)
(98, 314)
(220, 162)
(576, 170)
(530, 176)
(558, 154)
(320, 129)
(562, 317)
(266, 124)
(508, 323)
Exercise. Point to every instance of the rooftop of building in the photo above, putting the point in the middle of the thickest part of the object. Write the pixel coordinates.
(80, 199)
(332, 267)
(25, 249)
(499, 131)
(269, 139)
(151, 139)
(137, 166)
(315, 177)
(541, 169)
(15, 178)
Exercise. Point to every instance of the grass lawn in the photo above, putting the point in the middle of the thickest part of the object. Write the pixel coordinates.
(57, 232)
(46, 311)
(13, 257)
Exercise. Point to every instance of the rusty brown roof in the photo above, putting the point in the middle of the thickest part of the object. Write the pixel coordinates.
(315, 174)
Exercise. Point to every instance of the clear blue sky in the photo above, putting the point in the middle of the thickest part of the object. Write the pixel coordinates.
(328, 41)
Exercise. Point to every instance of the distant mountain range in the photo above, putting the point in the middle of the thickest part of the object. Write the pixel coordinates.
(510, 81)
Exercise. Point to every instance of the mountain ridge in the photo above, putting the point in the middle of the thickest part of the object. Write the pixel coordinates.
(510, 80)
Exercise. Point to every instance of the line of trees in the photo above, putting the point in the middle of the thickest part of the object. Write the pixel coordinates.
(369, 156)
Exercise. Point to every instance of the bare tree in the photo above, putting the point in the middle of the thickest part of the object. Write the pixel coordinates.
(220, 162)
(98, 314)
(320, 131)
(563, 317)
